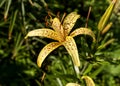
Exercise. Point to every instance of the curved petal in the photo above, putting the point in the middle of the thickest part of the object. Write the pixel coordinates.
(88, 80)
(45, 51)
(71, 47)
(83, 31)
(69, 22)
(44, 32)
(56, 25)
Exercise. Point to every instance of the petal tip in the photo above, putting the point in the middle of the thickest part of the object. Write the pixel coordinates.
(38, 63)
(25, 37)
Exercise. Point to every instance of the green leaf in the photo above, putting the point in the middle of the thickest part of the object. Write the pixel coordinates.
(2, 2)
(12, 23)
(88, 69)
(7, 7)
(106, 44)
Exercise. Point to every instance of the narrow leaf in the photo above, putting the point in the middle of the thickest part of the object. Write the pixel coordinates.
(2, 3)
(8, 3)
(44, 3)
(23, 12)
(45, 51)
(69, 22)
(83, 31)
(12, 23)
(44, 32)
(106, 44)
(72, 84)
(88, 69)
(71, 47)
(106, 15)
(88, 80)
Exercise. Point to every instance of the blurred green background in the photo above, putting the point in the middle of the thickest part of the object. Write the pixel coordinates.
(18, 56)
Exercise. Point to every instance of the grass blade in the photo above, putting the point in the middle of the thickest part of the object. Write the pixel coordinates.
(8, 3)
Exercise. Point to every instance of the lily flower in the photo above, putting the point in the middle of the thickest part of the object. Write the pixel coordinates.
(61, 32)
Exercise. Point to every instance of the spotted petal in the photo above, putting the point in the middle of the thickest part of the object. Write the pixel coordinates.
(83, 31)
(69, 22)
(71, 47)
(48, 33)
(45, 51)
(56, 25)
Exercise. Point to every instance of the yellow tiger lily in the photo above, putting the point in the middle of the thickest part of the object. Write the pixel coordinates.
(61, 33)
